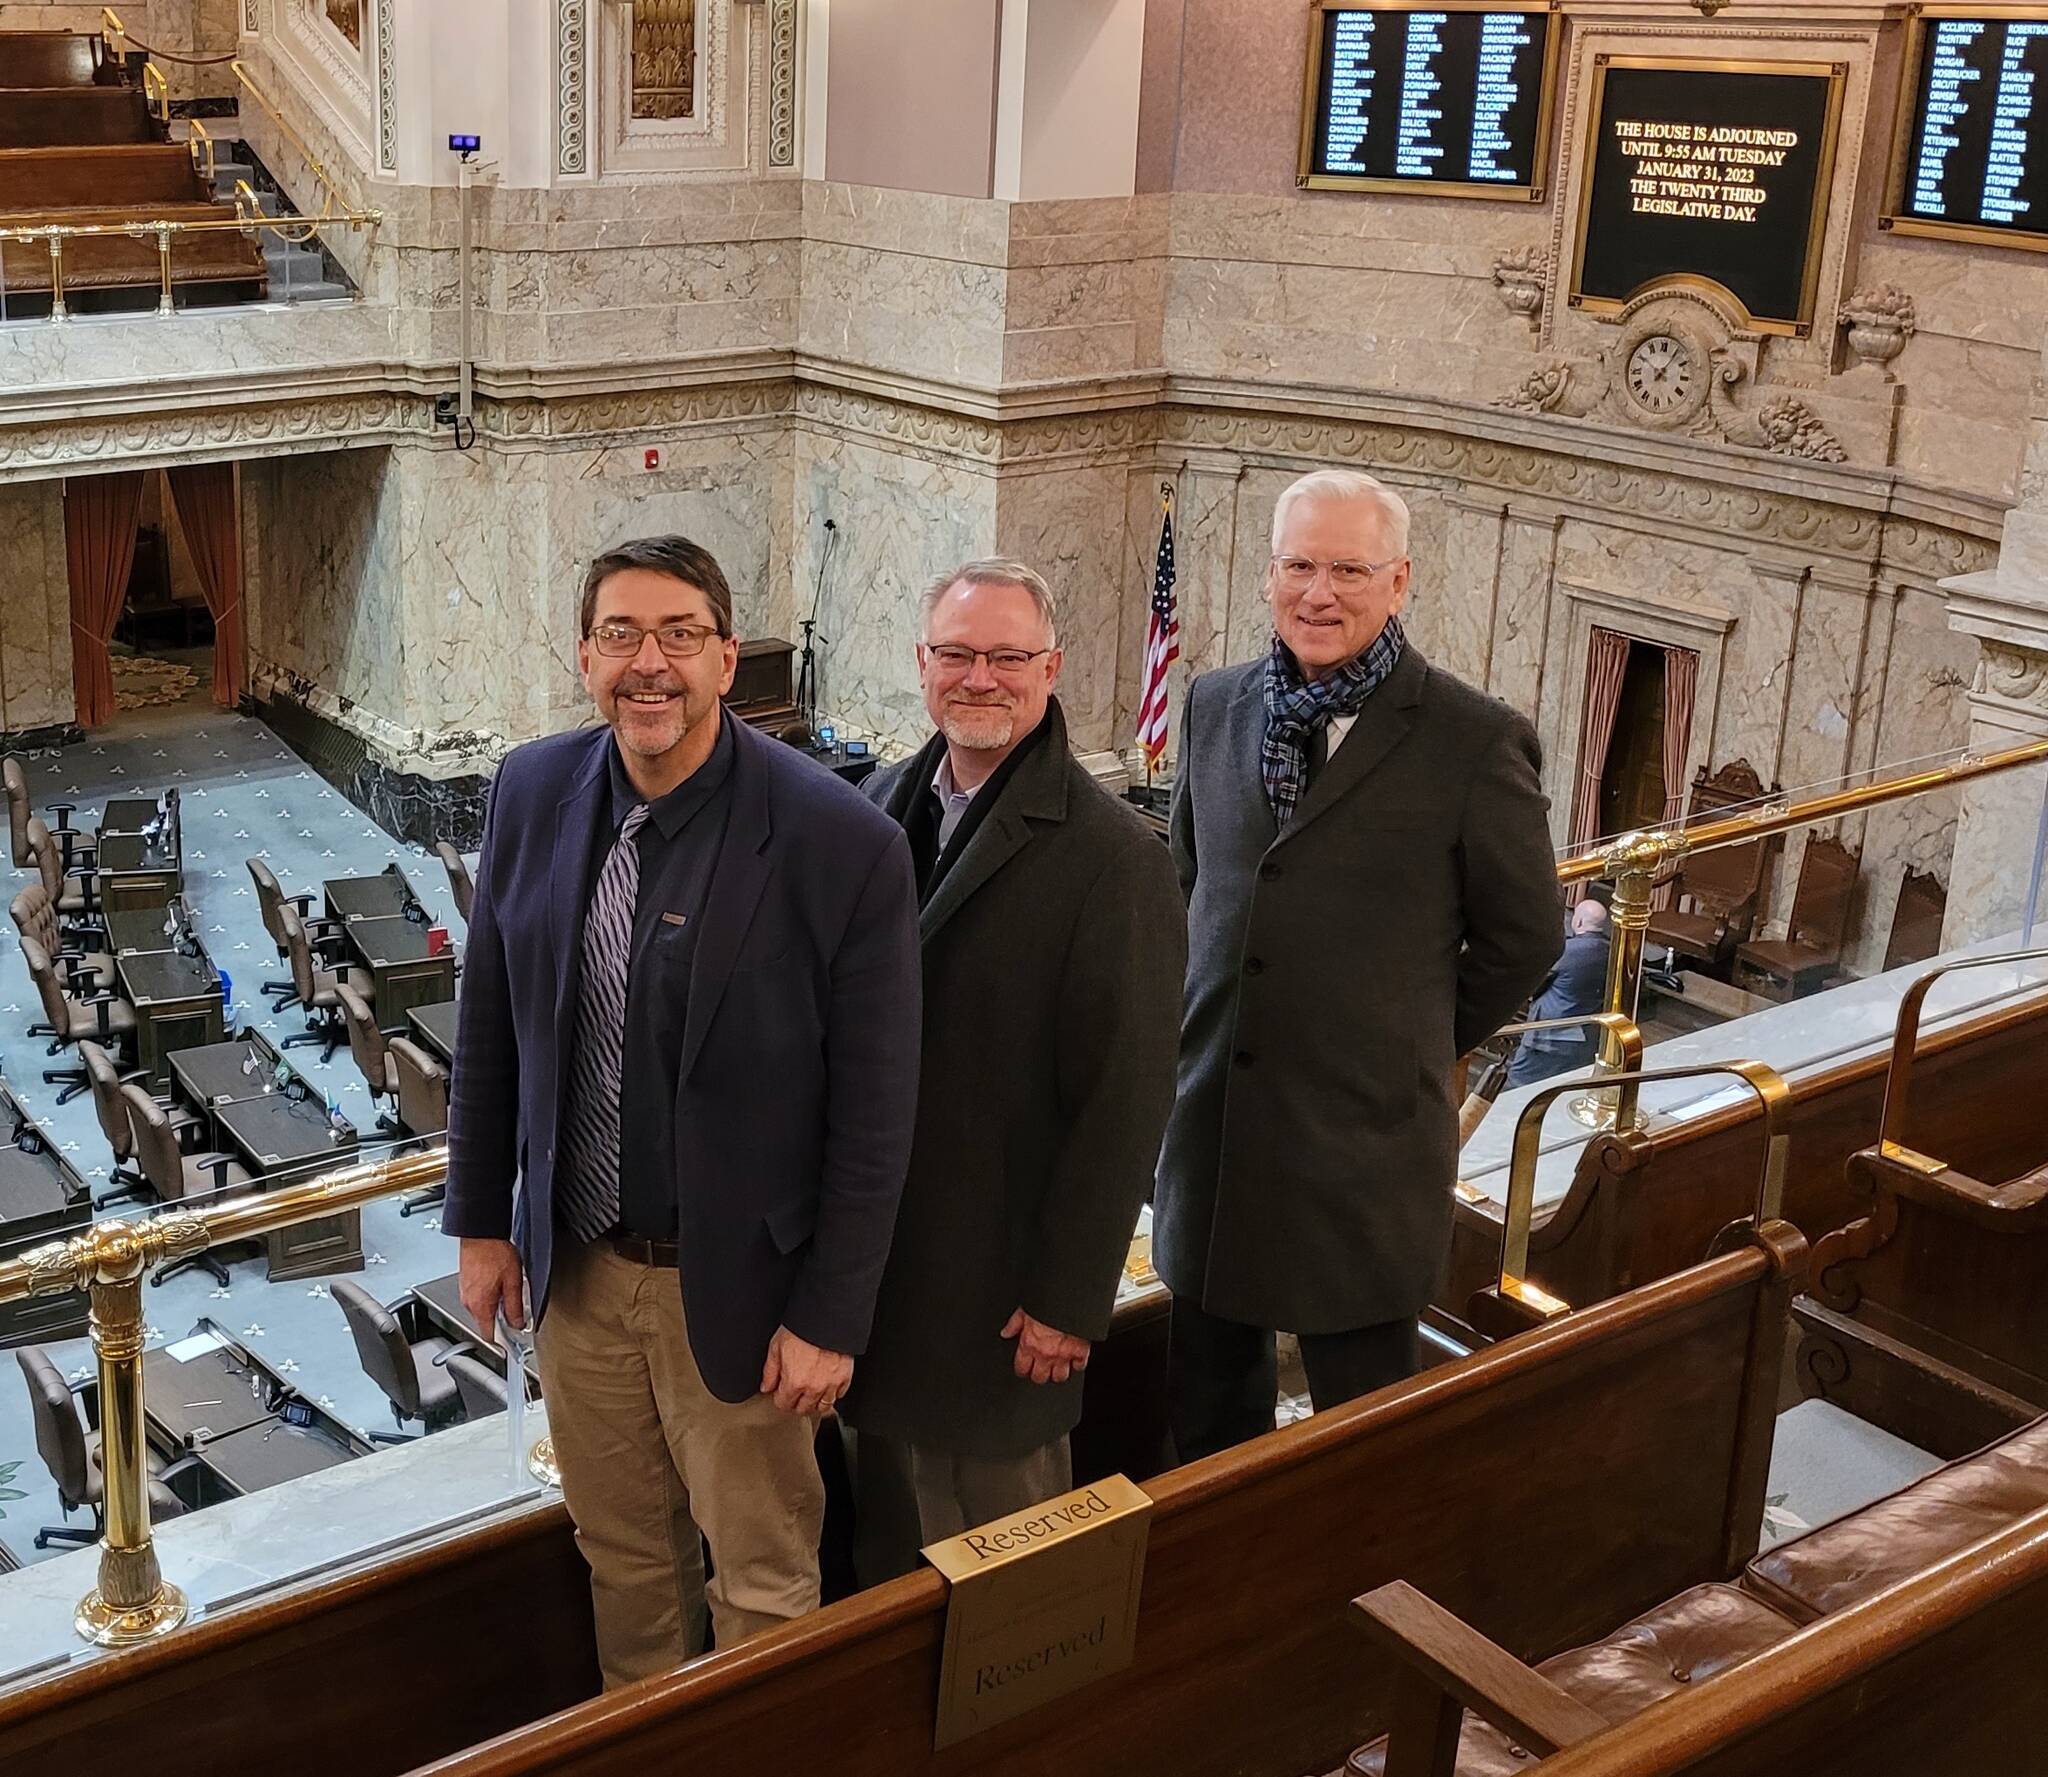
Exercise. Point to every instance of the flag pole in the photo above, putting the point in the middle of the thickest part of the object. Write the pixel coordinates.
(1166, 512)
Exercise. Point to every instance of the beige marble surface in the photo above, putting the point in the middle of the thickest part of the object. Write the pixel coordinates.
(35, 611)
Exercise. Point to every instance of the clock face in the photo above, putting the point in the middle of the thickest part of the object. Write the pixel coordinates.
(1661, 373)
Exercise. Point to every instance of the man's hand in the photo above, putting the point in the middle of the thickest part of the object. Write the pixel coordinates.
(1044, 1354)
(488, 1275)
(802, 1377)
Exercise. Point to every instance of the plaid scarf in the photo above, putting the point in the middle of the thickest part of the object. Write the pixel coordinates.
(1295, 707)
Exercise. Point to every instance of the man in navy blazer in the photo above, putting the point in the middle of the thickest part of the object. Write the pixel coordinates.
(684, 1088)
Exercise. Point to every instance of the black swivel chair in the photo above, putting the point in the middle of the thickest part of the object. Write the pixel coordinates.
(411, 1372)
(71, 1454)
(481, 1388)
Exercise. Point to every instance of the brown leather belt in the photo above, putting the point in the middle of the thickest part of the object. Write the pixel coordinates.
(646, 1252)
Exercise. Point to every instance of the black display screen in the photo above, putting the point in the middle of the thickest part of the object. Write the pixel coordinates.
(1977, 154)
(1444, 97)
(1709, 173)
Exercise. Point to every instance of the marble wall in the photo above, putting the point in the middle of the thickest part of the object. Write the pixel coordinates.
(35, 610)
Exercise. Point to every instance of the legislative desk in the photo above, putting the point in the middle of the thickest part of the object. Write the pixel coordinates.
(128, 814)
(405, 969)
(134, 930)
(42, 1197)
(220, 1073)
(439, 1304)
(434, 1028)
(383, 896)
(177, 1000)
(140, 862)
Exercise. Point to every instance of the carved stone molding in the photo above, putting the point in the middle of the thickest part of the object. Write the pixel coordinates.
(782, 83)
(1521, 278)
(572, 86)
(387, 87)
(269, 429)
(637, 410)
(250, 22)
(2013, 675)
(1878, 321)
(309, 28)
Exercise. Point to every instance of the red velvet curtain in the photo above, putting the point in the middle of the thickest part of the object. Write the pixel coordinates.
(1681, 690)
(205, 498)
(100, 516)
(1606, 662)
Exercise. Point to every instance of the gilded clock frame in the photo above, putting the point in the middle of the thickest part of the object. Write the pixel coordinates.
(1306, 178)
(1799, 326)
(1892, 219)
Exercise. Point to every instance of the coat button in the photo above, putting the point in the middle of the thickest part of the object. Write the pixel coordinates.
(1253, 966)
(1243, 1058)
(1269, 872)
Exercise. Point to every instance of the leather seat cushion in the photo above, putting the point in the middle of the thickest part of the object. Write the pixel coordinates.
(1860, 1555)
(1685, 1640)
(1699, 929)
(438, 1393)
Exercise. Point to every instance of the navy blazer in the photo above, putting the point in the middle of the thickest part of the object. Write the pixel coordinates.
(797, 1091)
(1576, 983)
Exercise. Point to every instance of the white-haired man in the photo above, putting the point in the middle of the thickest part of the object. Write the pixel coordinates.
(1362, 842)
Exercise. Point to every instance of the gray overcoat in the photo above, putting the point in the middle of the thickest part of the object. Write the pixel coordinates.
(1054, 951)
(1335, 975)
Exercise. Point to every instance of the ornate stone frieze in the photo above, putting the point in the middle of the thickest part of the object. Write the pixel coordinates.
(2014, 675)
(251, 23)
(272, 428)
(572, 86)
(636, 410)
(311, 31)
(387, 87)
(782, 83)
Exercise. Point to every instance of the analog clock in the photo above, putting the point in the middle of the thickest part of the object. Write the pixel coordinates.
(1662, 374)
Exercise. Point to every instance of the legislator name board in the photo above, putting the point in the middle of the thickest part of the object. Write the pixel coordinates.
(1708, 172)
(1972, 155)
(1450, 99)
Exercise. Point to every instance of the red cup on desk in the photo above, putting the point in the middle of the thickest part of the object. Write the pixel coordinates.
(437, 940)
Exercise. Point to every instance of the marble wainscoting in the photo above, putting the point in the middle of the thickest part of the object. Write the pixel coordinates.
(36, 697)
(1085, 294)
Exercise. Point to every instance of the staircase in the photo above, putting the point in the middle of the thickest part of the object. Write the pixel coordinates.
(298, 274)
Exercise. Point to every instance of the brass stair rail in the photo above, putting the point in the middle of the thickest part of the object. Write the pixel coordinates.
(1761, 1078)
(331, 194)
(1633, 862)
(1898, 1079)
(132, 1601)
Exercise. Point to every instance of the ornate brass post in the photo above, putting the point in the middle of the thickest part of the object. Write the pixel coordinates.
(132, 1602)
(58, 312)
(540, 1461)
(164, 305)
(1631, 863)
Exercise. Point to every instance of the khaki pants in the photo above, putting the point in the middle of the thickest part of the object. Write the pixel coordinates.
(906, 1495)
(649, 1456)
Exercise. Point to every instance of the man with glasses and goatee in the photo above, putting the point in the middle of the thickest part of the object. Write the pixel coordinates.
(689, 1036)
(1370, 892)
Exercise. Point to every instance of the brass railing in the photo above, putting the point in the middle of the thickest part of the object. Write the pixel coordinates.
(248, 219)
(109, 1260)
(1635, 862)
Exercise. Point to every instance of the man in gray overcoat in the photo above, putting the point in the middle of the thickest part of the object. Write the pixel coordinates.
(1054, 944)
(1361, 838)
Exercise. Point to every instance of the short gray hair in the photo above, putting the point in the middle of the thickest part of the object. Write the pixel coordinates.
(1348, 484)
(989, 572)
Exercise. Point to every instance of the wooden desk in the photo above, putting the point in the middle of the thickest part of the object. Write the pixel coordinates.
(137, 872)
(127, 814)
(42, 1197)
(206, 1396)
(440, 1307)
(212, 1074)
(383, 896)
(135, 931)
(403, 971)
(177, 1005)
(269, 1452)
(288, 1140)
(435, 1027)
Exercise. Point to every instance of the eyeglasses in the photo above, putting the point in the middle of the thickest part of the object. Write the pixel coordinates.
(621, 641)
(1298, 573)
(956, 659)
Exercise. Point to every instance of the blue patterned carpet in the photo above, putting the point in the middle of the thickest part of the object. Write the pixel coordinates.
(244, 796)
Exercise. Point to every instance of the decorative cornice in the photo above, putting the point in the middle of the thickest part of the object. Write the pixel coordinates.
(267, 429)
(572, 86)
(782, 83)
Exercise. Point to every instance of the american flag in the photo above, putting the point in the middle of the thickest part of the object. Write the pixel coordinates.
(1162, 648)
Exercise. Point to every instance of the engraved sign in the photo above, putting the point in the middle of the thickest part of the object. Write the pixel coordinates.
(1041, 1604)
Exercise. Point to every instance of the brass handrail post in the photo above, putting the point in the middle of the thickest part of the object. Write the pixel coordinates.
(164, 304)
(132, 1602)
(1632, 864)
(58, 312)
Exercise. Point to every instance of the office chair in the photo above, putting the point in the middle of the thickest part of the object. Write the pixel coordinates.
(422, 1109)
(174, 1174)
(71, 1454)
(409, 1371)
(69, 878)
(460, 884)
(481, 1388)
(35, 916)
(19, 814)
(372, 1055)
(270, 898)
(71, 1018)
(106, 1081)
(317, 988)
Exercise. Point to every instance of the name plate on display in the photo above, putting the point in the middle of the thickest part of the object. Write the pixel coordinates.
(1972, 157)
(1039, 1604)
(1451, 99)
(1711, 172)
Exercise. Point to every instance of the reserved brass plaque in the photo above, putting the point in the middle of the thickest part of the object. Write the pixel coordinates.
(1042, 1603)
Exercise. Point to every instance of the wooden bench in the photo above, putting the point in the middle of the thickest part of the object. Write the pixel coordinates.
(1544, 1488)
(64, 178)
(1641, 1206)
(221, 257)
(75, 116)
(53, 58)
(1884, 1641)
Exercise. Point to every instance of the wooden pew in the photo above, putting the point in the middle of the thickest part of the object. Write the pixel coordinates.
(125, 174)
(75, 116)
(214, 257)
(1643, 1206)
(52, 58)
(1545, 1488)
